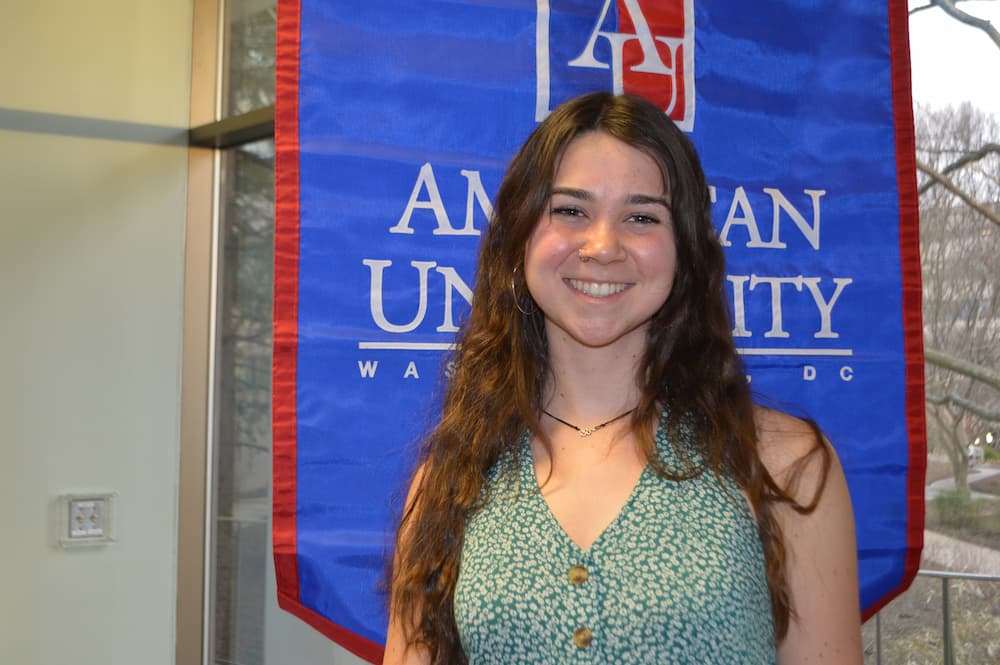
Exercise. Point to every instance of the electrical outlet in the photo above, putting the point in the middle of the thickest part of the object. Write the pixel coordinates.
(87, 518)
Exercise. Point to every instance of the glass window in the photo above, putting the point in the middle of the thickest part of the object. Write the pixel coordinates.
(242, 465)
(249, 64)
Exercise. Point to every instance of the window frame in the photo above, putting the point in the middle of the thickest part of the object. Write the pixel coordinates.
(209, 135)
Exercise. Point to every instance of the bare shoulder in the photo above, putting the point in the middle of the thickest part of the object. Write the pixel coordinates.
(821, 554)
(782, 435)
(794, 452)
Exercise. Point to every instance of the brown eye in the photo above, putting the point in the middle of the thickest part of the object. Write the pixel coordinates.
(567, 211)
(644, 219)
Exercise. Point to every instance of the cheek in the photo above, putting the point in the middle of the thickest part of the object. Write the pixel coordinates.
(670, 254)
(660, 258)
(544, 249)
(671, 266)
(532, 262)
(532, 244)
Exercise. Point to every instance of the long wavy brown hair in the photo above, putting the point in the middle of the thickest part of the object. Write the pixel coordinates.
(501, 366)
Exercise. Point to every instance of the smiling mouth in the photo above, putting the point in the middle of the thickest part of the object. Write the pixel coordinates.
(598, 289)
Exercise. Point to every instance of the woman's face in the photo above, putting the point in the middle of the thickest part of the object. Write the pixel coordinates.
(601, 260)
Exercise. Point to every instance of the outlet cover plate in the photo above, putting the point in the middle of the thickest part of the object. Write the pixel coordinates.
(87, 519)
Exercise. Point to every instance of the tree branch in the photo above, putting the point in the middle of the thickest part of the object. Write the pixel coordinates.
(968, 405)
(946, 182)
(929, 5)
(949, 8)
(967, 158)
(988, 376)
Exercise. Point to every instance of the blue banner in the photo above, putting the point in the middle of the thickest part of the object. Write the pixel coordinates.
(395, 121)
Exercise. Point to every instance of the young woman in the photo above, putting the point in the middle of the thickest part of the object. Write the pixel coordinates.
(600, 487)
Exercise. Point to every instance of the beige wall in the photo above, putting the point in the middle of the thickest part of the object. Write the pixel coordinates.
(91, 269)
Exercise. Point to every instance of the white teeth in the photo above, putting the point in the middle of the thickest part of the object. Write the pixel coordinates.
(598, 289)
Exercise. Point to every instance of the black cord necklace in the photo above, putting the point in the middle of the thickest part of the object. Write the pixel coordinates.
(587, 431)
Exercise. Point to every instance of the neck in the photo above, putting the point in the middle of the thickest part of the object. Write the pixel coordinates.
(589, 385)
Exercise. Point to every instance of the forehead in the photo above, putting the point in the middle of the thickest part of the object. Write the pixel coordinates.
(596, 158)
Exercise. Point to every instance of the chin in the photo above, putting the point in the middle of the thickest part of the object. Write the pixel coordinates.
(603, 338)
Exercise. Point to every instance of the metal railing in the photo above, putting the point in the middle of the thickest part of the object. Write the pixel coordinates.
(947, 641)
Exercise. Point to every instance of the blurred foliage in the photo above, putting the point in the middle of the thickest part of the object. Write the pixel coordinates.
(249, 77)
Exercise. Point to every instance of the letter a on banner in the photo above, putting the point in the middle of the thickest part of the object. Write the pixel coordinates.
(393, 127)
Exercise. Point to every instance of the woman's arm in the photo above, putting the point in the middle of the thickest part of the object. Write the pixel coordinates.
(397, 651)
(820, 549)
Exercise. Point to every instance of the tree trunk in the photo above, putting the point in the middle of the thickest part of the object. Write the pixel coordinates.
(959, 458)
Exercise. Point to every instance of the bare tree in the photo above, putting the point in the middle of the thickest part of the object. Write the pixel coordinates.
(950, 7)
(960, 243)
(958, 156)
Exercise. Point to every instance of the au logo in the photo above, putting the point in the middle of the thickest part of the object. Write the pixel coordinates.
(627, 46)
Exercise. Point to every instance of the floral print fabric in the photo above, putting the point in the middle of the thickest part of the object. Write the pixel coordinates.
(678, 577)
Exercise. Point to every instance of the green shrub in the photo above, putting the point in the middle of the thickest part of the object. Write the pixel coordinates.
(991, 454)
(955, 509)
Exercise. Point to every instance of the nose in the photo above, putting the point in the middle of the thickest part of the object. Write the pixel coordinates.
(601, 242)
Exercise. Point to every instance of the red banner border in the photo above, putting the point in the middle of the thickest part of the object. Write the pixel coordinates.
(913, 327)
(285, 353)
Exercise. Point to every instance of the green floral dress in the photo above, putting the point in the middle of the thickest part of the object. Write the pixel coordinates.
(678, 577)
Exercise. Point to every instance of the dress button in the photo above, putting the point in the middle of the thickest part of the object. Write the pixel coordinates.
(578, 575)
(582, 638)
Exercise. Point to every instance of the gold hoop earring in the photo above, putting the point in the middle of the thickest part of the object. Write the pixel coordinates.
(517, 300)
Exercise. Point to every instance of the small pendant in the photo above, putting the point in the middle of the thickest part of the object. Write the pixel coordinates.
(587, 431)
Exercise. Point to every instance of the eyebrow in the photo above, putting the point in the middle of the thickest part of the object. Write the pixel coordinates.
(631, 199)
